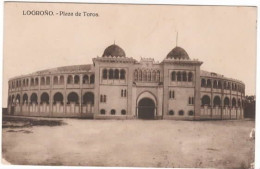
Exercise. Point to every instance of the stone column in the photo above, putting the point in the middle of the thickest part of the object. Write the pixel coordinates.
(166, 78)
(197, 104)
(96, 87)
(222, 100)
(51, 97)
(65, 94)
(129, 81)
(39, 97)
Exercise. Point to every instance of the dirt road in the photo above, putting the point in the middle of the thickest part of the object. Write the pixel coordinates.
(133, 143)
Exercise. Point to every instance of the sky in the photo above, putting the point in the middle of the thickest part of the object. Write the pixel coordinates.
(222, 37)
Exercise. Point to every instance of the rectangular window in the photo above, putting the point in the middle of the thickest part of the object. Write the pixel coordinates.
(171, 94)
(191, 100)
(105, 99)
(123, 93)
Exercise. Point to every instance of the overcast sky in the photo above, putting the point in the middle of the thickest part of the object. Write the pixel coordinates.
(224, 38)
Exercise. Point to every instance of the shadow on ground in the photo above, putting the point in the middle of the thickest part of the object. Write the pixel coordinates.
(20, 122)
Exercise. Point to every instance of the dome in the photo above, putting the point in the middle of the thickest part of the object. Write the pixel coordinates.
(114, 50)
(178, 53)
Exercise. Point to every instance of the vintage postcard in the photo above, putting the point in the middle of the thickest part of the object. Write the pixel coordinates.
(128, 85)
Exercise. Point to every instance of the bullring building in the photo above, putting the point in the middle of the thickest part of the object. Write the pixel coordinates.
(119, 87)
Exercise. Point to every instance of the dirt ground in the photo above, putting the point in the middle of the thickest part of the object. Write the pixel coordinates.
(132, 143)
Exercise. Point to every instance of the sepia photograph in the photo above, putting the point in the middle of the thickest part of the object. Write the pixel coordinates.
(129, 85)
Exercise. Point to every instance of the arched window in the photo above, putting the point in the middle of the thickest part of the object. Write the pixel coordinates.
(239, 103)
(61, 79)
(85, 79)
(122, 74)
(191, 113)
(205, 100)
(158, 76)
(140, 75)
(116, 76)
(36, 81)
(149, 76)
(92, 79)
(76, 79)
(226, 101)
(181, 112)
(215, 84)
(18, 98)
(209, 83)
(42, 81)
(111, 74)
(44, 98)
(27, 82)
(144, 75)
(113, 112)
(136, 75)
(32, 81)
(102, 111)
(190, 77)
(173, 76)
(123, 112)
(225, 85)
(58, 97)
(184, 76)
(88, 98)
(55, 80)
(216, 101)
(25, 98)
(69, 79)
(178, 76)
(104, 74)
(9, 100)
(13, 99)
(234, 102)
(73, 98)
(153, 75)
(48, 80)
(203, 82)
(171, 112)
(228, 86)
(238, 88)
(34, 98)
(219, 85)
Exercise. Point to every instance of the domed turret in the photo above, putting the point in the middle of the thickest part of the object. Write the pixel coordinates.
(178, 53)
(114, 50)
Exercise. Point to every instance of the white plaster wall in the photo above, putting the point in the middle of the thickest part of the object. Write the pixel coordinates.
(113, 99)
(181, 100)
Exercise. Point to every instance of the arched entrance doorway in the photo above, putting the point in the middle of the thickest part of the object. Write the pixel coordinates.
(146, 108)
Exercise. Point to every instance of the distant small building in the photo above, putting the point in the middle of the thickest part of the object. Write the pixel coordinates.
(119, 87)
